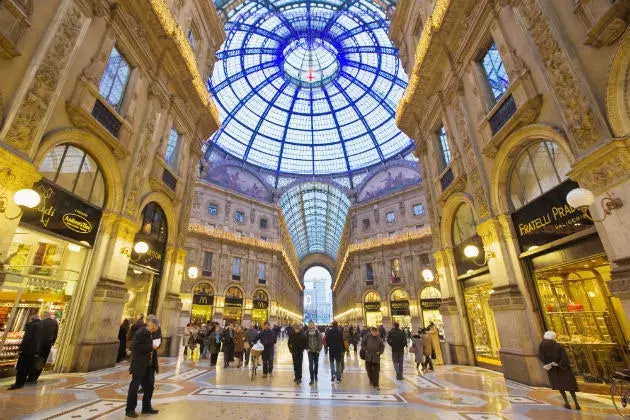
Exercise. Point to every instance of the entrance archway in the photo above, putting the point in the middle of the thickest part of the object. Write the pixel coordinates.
(372, 309)
(233, 305)
(399, 304)
(202, 303)
(260, 311)
(318, 305)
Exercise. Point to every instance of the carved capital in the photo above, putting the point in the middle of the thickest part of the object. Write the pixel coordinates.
(604, 168)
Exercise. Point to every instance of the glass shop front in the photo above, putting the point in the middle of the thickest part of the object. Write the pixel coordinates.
(399, 305)
(202, 303)
(233, 306)
(260, 311)
(430, 301)
(372, 309)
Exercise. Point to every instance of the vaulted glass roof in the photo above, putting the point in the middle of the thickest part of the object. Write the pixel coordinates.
(308, 87)
(315, 214)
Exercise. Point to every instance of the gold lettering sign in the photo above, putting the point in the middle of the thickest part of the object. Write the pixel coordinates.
(557, 213)
(77, 223)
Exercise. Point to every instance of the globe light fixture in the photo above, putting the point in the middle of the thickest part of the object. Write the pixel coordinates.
(193, 272)
(427, 275)
(141, 247)
(582, 199)
(471, 251)
(27, 198)
(74, 248)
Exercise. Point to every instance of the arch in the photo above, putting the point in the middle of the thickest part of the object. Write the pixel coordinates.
(260, 294)
(166, 204)
(317, 260)
(86, 141)
(202, 284)
(510, 151)
(232, 288)
(618, 89)
(430, 292)
(371, 292)
(403, 294)
(448, 215)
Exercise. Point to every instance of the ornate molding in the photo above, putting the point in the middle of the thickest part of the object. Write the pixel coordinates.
(15, 172)
(506, 298)
(112, 290)
(604, 168)
(618, 89)
(449, 306)
(456, 186)
(619, 284)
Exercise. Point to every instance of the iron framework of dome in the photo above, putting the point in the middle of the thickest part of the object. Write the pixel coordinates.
(308, 88)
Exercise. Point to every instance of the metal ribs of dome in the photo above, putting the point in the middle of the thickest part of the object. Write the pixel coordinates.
(277, 115)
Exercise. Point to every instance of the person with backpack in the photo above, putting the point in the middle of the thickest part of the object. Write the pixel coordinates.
(314, 347)
(397, 339)
(372, 346)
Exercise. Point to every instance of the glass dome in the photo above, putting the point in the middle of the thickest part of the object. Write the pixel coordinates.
(309, 87)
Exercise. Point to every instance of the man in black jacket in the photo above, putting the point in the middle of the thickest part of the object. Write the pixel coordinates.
(297, 344)
(30, 348)
(398, 341)
(334, 341)
(50, 329)
(268, 339)
(144, 364)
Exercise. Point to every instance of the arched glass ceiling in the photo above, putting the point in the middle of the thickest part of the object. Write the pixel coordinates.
(315, 214)
(309, 87)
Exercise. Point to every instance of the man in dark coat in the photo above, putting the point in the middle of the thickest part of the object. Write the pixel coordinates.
(373, 347)
(268, 339)
(50, 329)
(556, 362)
(334, 341)
(382, 332)
(29, 351)
(297, 344)
(144, 364)
(397, 339)
(134, 327)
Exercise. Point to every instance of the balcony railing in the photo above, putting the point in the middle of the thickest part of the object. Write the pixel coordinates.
(502, 114)
(169, 179)
(106, 118)
(447, 179)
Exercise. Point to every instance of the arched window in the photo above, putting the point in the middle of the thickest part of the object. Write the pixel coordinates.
(400, 294)
(430, 293)
(538, 169)
(372, 297)
(261, 295)
(154, 223)
(464, 224)
(234, 292)
(203, 289)
(74, 170)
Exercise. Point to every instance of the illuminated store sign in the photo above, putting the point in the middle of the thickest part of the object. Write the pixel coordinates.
(430, 304)
(549, 218)
(400, 307)
(372, 306)
(232, 302)
(203, 300)
(261, 304)
(64, 214)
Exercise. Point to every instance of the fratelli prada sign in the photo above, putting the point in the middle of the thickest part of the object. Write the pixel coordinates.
(549, 218)
(64, 214)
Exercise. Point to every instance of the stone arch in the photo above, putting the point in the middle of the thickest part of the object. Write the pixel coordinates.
(510, 151)
(368, 291)
(237, 286)
(399, 288)
(91, 144)
(618, 89)
(192, 289)
(166, 204)
(317, 260)
(448, 216)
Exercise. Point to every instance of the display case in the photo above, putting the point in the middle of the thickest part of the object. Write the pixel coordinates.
(483, 327)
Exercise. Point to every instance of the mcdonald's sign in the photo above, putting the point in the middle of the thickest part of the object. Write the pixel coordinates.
(203, 300)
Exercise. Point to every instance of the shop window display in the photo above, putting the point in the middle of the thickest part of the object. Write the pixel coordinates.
(202, 303)
(372, 308)
(400, 308)
(430, 301)
(483, 327)
(260, 311)
(233, 306)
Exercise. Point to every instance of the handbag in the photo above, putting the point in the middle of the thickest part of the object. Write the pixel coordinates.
(246, 345)
(433, 354)
(362, 353)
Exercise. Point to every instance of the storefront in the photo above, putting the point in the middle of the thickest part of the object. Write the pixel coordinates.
(430, 301)
(399, 304)
(202, 303)
(50, 249)
(570, 271)
(144, 274)
(233, 306)
(260, 311)
(372, 308)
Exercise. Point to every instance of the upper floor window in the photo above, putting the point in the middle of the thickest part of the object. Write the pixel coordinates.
(369, 268)
(263, 223)
(212, 209)
(193, 38)
(537, 170)
(464, 224)
(496, 76)
(443, 148)
(390, 217)
(395, 266)
(366, 224)
(206, 269)
(236, 268)
(172, 148)
(418, 210)
(239, 216)
(115, 79)
(262, 273)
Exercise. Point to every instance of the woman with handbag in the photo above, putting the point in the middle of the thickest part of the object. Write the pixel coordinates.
(372, 346)
(556, 362)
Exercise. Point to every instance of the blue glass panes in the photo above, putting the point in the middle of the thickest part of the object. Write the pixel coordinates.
(172, 148)
(308, 88)
(418, 210)
(114, 79)
(239, 217)
(315, 214)
(213, 210)
(445, 150)
(495, 72)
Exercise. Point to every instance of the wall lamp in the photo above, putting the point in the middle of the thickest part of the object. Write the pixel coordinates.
(582, 199)
(193, 272)
(472, 252)
(139, 248)
(26, 197)
(430, 274)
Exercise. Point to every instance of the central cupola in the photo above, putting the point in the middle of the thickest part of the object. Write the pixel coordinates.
(310, 62)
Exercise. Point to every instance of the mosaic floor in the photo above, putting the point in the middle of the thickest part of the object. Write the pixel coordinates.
(187, 390)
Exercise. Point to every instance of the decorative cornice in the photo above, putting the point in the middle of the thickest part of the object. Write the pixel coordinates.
(604, 168)
(456, 186)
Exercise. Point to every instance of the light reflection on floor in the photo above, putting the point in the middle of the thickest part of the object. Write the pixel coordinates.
(192, 390)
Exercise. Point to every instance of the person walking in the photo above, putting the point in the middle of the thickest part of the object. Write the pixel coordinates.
(297, 343)
(334, 341)
(314, 347)
(268, 339)
(214, 344)
(228, 345)
(186, 339)
(29, 351)
(202, 336)
(556, 362)
(434, 332)
(427, 349)
(239, 345)
(122, 340)
(50, 329)
(382, 332)
(398, 341)
(354, 339)
(252, 335)
(144, 365)
(373, 346)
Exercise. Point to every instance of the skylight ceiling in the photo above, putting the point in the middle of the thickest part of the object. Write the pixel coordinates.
(315, 214)
(309, 87)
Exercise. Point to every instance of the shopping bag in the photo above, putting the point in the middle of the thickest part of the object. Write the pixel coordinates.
(258, 346)
(52, 357)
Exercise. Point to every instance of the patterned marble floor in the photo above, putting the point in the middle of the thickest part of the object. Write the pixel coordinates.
(187, 390)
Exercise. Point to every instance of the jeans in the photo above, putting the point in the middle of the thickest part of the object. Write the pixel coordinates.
(398, 357)
(298, 359)
(267, 357)
(336, 365)
(313, 364)
(373, 370)
(147, 380)
(427, 362)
